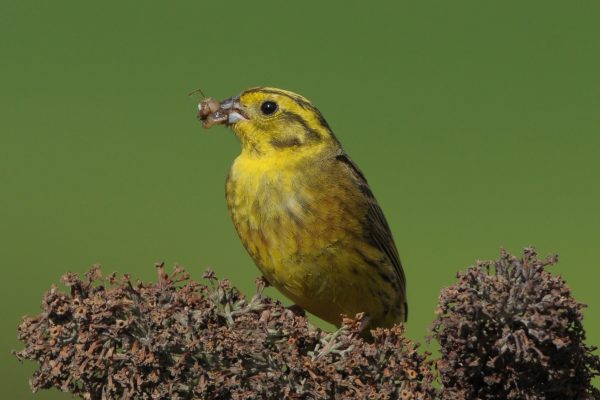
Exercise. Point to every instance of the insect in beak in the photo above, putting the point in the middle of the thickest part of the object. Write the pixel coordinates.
(228, 112)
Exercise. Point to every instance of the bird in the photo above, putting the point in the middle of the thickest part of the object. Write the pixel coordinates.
(305, 212)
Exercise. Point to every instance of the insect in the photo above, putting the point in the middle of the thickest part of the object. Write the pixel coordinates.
(209, 110)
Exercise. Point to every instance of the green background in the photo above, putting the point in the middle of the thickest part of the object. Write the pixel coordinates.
(477, 124)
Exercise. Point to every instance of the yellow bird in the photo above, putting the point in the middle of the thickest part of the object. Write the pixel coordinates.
(305, 212)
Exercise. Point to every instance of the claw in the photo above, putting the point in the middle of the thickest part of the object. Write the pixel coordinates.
(297, 310)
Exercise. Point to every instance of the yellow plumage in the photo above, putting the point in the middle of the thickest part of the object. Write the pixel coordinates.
(305, 213)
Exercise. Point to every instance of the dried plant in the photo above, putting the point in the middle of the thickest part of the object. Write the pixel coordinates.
(178, 339)
(510, 330)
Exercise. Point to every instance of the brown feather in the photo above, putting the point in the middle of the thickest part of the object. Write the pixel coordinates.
(376, 226)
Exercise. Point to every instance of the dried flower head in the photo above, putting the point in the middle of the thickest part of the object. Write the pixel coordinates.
(177, 339)
(510, 330)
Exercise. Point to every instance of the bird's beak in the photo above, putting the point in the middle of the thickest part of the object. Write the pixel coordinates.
(235, 111)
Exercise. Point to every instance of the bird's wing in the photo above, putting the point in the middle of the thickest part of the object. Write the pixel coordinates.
(377, 226)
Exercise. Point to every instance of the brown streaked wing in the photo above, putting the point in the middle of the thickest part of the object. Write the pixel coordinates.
(377, 226)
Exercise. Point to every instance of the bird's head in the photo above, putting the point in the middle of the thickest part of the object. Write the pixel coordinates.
(268, 120)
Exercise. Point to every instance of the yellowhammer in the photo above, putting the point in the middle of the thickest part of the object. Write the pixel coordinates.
(305, 212)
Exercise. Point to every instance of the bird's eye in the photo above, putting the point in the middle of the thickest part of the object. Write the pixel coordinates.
(268, 107)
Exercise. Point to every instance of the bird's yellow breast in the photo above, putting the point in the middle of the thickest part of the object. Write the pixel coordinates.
(272, 207)
(299, 220)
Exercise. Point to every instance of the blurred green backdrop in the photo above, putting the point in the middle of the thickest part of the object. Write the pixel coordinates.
(476, 123)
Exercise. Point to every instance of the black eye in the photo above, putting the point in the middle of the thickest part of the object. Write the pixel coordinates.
(268, 107)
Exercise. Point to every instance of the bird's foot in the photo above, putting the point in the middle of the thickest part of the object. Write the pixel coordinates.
(297, 310)
(261, 283)
(365, 328)
(264, 281)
